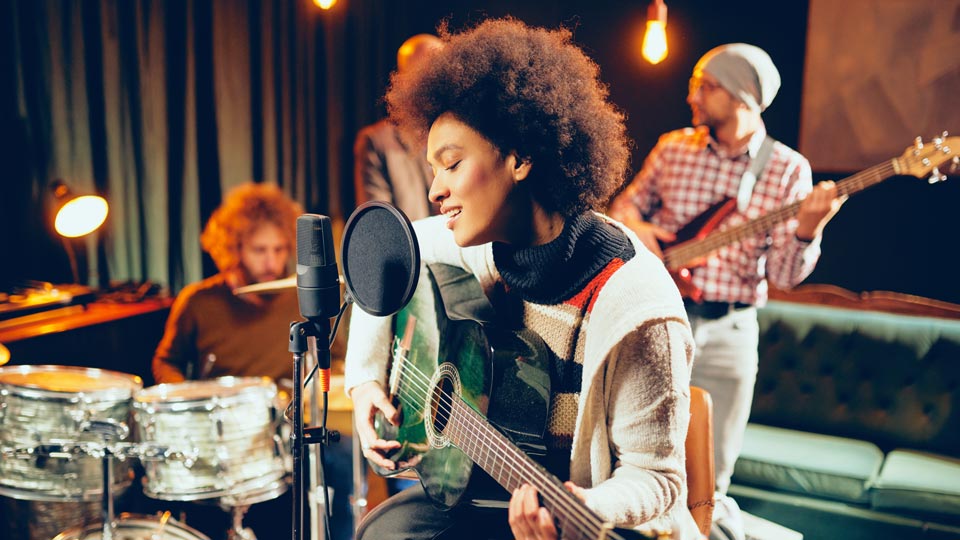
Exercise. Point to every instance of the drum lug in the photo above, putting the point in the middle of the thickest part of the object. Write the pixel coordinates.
(223, 459)
(278, 448)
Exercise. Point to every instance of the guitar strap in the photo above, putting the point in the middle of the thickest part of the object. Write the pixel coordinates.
(749, 178)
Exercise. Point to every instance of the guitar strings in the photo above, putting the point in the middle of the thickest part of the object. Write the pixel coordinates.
(542, 484)
(692, 249)
(549, 488)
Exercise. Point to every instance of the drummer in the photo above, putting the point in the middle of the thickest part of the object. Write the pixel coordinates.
(212, 332)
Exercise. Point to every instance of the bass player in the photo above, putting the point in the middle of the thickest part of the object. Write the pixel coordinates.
(728, 155)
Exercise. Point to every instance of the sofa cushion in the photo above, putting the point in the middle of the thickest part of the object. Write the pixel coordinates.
(917, 481)
(808, 463)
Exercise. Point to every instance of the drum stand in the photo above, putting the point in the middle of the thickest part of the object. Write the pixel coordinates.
(109, 430)
(238, 505)
(237, 531)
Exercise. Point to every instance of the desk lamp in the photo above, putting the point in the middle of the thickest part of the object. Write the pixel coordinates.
(76, 216)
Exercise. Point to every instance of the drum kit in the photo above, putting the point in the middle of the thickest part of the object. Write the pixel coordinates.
(69, 434)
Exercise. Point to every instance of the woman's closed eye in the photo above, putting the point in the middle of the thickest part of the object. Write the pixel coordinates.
(452, 167)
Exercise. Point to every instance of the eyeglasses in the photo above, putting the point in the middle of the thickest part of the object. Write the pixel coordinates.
(699, 83)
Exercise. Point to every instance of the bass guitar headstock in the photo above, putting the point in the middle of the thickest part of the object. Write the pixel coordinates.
(923, 159)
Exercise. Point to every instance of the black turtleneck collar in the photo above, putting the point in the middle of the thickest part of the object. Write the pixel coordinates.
(556, 271)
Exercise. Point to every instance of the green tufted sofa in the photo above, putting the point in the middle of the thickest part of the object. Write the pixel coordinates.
(855, 427)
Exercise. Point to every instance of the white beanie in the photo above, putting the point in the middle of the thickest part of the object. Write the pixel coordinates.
(746, 71)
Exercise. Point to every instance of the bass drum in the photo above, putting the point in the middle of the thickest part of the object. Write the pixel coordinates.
(42, 520)
(137, 527)
(46, 455)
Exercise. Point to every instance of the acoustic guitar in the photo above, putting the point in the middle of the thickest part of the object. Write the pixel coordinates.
(703, 235)
(447, 360)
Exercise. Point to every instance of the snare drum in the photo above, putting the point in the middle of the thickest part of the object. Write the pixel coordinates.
(136, 527)
(232, 422)
(42, 409)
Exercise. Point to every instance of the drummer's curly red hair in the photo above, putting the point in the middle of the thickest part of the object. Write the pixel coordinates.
(245, 208)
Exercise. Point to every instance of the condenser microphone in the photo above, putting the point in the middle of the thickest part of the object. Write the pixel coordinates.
(318, 281)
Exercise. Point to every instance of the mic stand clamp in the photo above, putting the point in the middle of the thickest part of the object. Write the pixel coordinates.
(320, 435)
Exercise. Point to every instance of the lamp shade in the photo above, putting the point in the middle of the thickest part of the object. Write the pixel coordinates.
(77, 215)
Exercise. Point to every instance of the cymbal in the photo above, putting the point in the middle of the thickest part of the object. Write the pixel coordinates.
(268, 286)
(273, 286)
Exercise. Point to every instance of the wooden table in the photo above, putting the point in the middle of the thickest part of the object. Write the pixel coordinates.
(115, 336)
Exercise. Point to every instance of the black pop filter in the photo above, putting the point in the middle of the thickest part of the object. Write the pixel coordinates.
(381, 258)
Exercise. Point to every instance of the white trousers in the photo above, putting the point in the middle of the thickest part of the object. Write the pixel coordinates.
(726, 366)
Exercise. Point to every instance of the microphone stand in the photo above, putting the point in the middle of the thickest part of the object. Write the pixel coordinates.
(300, 436)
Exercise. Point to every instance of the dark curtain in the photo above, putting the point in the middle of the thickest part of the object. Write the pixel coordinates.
(161, 107)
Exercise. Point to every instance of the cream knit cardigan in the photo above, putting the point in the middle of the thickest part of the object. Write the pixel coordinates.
(628, 442)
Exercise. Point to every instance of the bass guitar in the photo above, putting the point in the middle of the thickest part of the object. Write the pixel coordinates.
(702, 236)
(442, 376)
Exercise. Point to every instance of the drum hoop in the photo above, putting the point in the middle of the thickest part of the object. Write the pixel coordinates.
(79, 495)
(127, 384)
(238, 388)
(133, 519)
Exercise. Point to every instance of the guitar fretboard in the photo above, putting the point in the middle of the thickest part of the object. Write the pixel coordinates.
(677, 256)
(510, 467)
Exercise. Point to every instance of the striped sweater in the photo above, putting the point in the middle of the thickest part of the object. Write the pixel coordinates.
(557, 286)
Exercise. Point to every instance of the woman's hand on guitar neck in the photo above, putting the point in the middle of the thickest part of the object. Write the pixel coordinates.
(529, 520)
(369, 398)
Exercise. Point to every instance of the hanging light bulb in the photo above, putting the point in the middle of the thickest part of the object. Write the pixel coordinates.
(324, 4)
(655, 39)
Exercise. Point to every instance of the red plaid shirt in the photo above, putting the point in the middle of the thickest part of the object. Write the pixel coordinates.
(687, 172)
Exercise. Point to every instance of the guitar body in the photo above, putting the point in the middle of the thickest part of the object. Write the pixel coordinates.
(705, 223)
(696, 230)
(456, 349)
(472, 392)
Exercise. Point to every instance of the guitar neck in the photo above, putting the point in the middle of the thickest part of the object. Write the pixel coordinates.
(510, 467)
(677, 256)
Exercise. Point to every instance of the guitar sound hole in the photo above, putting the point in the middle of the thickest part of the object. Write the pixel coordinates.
(441, 403)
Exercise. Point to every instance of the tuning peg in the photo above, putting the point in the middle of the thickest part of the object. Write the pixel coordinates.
(936, 176)
(917, 145)
(955, 164)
